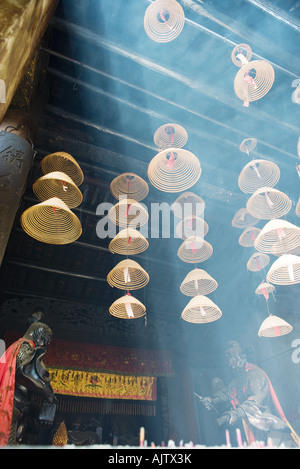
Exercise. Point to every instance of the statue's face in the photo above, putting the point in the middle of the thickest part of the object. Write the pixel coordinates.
(235, 357)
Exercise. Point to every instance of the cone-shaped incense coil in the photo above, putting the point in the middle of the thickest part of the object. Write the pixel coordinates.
(201, 309)
(188, 204)
(164, 20)
(192, 226)
(131, 185)
(273, 326)
(248, 236)
(170, 136)
(128, 242)
(248, 144)
(257, 262)
(241, 54)
(128, 213)
(174, 170)
(264, 289)
(253, 81)
(59, 185)
(194, 250)
(267, 203)
(257, 174)
(128, 275)
(285, 270)
(278, 236)
(198, 282)
(127, 307)
(51, 222)
(243, 219)
(297, 210)
(64, 163)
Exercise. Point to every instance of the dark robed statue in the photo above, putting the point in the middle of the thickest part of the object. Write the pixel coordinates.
(249, 402)
(22, 371)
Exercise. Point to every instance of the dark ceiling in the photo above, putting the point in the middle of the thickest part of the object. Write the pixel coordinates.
(106, 89)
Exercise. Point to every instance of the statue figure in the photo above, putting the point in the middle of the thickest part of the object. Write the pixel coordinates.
(247, 402)
(22, 371)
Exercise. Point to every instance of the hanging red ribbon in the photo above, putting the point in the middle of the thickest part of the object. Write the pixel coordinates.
(171, 161)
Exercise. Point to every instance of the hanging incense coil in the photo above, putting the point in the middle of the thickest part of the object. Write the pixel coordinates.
(285, 270)
(131, 185)
(200, 310)
(257, 174)
(164, 20)
(187, 205)
(248, 144)
(170, 136)
(257, 262)
(127, 307)
(243, 219)
(60, 185)
(273, 326)
(128, 212)
(174, 170)
(128, 242)
(264, 289)
(198, 282)
(192, 226)
(278, 237)
(128, 275)
(297, 209)
(65, 163)
(248, 236)
(254, 79)
(51, 222)
(194, 250)
(267, 203)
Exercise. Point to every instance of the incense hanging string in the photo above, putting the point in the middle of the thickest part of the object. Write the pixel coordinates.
(253, 166)
(127, 211)
(64, 186)
(252, 235)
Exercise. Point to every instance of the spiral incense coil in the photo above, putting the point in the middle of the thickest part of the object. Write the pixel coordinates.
(285, 270)
(273, 326)
(248, 236)
(267, 203)
(241, 54)
(164, 20)
(201, 310)
(257, 174)
(297, 209)
(198, 282)
(187, 205)
(253, 81)
(174, 170)
(131, 185)
(170, 136)
(264, 289)
(277, 237)
(243, 219)
(194, 250)
(257, 262)
(248, 144)
(60, 185)
(65, 163)
(51, 222)
(127, 307)
(128, 212)
(128, 242)
(191, 226)
(128, 275)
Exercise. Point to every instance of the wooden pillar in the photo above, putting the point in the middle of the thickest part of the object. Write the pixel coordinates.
(16, 156)
(22, 26)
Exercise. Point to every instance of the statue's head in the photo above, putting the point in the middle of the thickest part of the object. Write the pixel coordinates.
(234, 356)
(38, 331)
